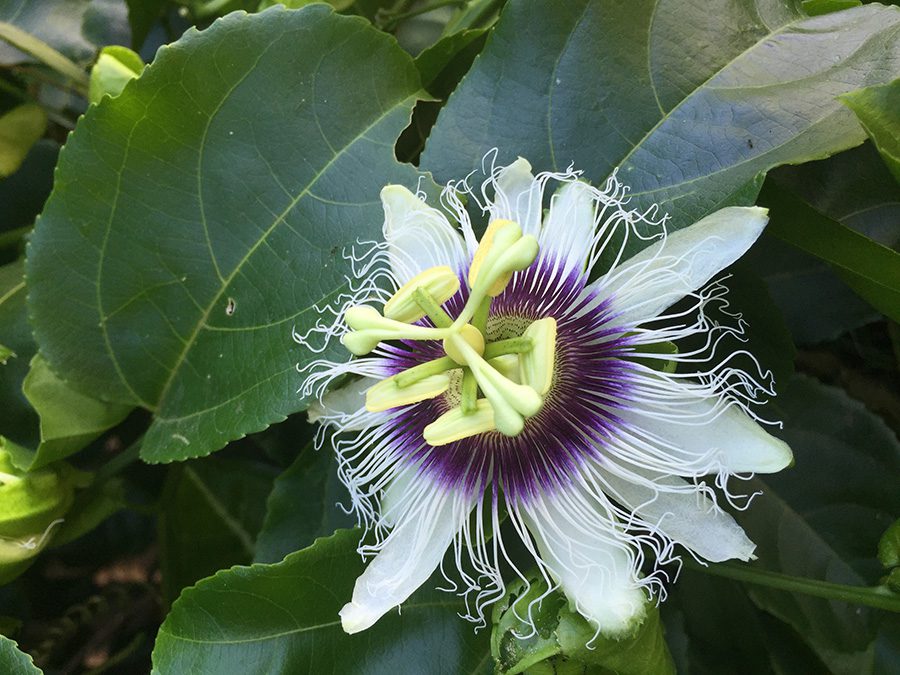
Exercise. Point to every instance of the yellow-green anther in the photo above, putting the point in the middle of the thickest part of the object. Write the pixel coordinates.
(361, 342)
(416, 373)
(538, 364)
(511, 402)
(454, 425)
(387, 394)
(508, 366)
(469, 394)
(518, 345)
(514, 258)
(500, 234)
(439, 283)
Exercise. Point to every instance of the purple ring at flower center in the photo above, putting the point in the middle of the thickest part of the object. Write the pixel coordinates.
(591, 379)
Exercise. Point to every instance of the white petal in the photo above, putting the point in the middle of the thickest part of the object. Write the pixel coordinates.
(517, 197)
(684, 261)
(345, 404)
(409, 555)
(689, 425)
(419, 237)
(685, 515)
(569, 227)
(594, 566)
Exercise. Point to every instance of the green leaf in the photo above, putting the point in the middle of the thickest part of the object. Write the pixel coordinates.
(822, 518)
(69, 419)
(860, 258)
(448, 59)
(686, 133)
(116, 66)
(303, 506)
(889, 546)
(818, 7)
(142, 14)
(854, 189)
(92, 506)
(22, 195)
(876, 107)
(14, 661)
(559, 635)
(212, 511)
(170, 275)
(19, 421)
(20, 129)
(713, 628)
(284, 618)
(43, 52)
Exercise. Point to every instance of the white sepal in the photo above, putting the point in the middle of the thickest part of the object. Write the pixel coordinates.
(683, 513)
(594, 565)
(679, 264)
(418, 236)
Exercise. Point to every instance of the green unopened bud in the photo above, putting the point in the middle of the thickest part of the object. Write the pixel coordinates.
(115, 67)
(441, 283)
(31, 505)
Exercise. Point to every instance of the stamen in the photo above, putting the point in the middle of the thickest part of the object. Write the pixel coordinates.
(500, 235)
(432, 308)
(387, 394)
(508, 366)
(370, 328)
(538, 364)
(519, 345)
(416, 373)
(438, 283)
(469, 392)
(516, 258)
(455, 425)
(511, 402)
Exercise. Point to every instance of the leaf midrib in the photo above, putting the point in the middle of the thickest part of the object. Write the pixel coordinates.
(189, 343)
(294, 631)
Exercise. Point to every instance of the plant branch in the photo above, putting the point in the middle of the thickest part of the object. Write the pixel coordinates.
(40, 50)
(879, 597)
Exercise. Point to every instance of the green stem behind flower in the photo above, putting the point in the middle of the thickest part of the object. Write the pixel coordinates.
(880, 597)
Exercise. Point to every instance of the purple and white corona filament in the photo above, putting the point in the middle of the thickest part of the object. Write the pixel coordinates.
(496, 378)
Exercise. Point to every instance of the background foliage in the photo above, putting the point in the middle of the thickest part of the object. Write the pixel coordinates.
(200, 208)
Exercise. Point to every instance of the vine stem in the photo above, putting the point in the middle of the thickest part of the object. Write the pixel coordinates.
(880, 597)
(116, 464)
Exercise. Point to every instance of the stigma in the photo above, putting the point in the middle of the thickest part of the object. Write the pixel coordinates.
(497, 386)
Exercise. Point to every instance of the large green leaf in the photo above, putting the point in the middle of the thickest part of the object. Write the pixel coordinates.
(303, 505)
(869, 267)
(283, 618)
(212, 510)
(823, 518)
(854, 189)
(690, 100)
(14, 661)
(200, 216)
(877, 108)
(713, 628)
